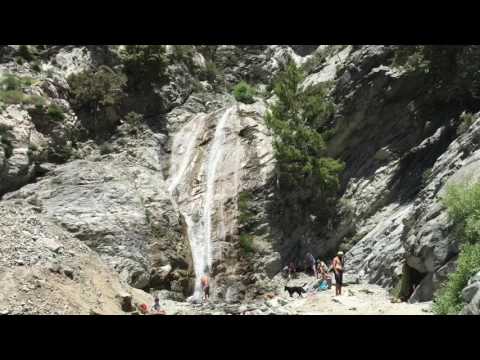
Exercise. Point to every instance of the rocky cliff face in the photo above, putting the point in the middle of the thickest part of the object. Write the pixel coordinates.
(164, 200)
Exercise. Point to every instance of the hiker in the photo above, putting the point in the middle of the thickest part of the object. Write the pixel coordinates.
(291, 270)
(156, 307)
(205, 287)
(310, 260)
(337, 266)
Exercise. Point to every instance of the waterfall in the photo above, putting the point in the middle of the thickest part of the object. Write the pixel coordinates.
(199, 224)
(214, 156)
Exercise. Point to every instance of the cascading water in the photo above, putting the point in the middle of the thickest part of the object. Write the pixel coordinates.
(199, 227)
(214, 156)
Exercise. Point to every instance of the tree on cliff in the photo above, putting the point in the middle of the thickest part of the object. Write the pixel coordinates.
(308, 179)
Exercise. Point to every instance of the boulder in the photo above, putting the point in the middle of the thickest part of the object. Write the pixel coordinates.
(125, 301)
(273, 265)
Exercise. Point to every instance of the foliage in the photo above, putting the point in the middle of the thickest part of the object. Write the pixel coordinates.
(308, 179)
(12, 91)
(212, 74)
(245, 215)
(246, 243)
(244, 208)
(466, 120)
(448, 300)
(144, 64)
(26, 53)
(96, 90)
(184, 53)
(12, 97)
(411, 58)
(133, 119)
(55, 112)
(463, 207)
(244, 93)
(14, 82)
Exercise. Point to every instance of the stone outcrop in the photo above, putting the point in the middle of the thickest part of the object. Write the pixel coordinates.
(45, 270)
(118, 205)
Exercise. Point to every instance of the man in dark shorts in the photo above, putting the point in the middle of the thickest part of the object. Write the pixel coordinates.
(310, 262)
(337, 266)
(205, 287)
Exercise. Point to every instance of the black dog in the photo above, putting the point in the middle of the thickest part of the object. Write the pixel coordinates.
(296, 289)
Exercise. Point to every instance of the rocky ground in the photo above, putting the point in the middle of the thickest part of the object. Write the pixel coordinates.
(45, 270)
(357, 299)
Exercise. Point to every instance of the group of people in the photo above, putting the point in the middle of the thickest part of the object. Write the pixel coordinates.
(154, 310)
(321, 271)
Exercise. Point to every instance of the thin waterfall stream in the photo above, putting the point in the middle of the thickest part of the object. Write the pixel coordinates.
(199, 227)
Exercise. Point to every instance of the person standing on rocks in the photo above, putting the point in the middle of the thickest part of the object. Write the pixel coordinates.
(311, 264)
(204, 280)
(338, 269)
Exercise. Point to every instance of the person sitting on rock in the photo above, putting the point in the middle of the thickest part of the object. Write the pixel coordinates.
(143, 309)
(322, 270)
(156, 307)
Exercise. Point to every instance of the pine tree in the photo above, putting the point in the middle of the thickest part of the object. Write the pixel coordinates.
(307, 177)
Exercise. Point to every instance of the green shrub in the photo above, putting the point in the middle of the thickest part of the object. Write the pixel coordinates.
(466, 120)
(463, 207)
(36, 100)
(133, 119)
(211, 72)
(246, 243)
(25, 52)
(184, 53)
(144, 64)
(55, 112)
(11, 82)
(94, 91)
(12, 97)
(308, 179)
(244, 93)
(412, 58)
(245, 213)
(448, 299)
(11, 90)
